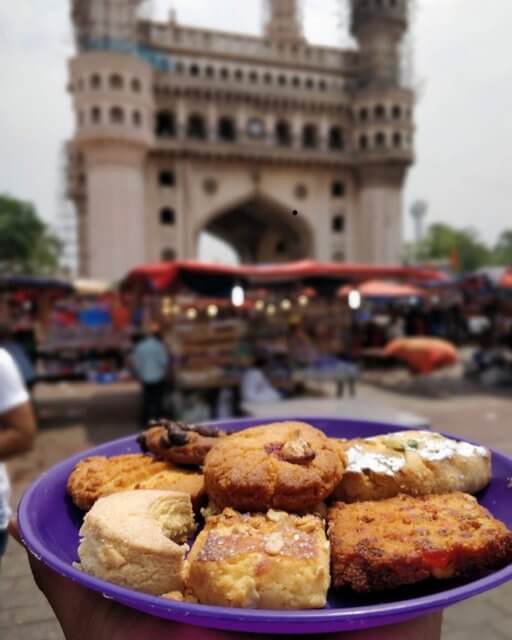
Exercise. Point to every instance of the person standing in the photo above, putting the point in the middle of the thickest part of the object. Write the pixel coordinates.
(151, 365)
(17, 431)
(17, 352)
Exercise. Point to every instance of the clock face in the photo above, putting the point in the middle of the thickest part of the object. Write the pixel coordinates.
(256, 128)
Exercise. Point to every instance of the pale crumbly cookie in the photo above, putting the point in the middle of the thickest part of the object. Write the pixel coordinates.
(411, 462)
(264, 561)
(289, 465)
(136, 539)
(404, 540)
(99, 476)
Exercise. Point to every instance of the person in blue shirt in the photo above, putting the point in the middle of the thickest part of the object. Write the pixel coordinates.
(150, 362)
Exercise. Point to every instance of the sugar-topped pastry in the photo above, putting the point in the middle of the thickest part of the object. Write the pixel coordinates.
(411, 462)
(262, 561)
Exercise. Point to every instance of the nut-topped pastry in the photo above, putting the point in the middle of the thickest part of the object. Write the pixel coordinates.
(179, 442)
(411, 462)
(264, 561)
(289, 465)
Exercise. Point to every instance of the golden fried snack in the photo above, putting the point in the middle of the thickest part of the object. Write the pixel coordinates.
(136, 539)
(289, 465)
(99, 476)
(179, 442)
(404, 540)
(265, 561)
(411, 462)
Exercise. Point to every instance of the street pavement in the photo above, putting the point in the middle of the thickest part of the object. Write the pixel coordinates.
(75, 417)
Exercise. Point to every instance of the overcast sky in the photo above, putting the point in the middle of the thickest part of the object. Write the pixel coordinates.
(463, 59)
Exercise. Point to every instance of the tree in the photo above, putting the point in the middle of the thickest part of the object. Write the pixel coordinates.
(463, 247)
(27, 246)
(503, 249)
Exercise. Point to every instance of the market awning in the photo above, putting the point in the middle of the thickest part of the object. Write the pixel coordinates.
(218, 280)
(32, 285)
(384, 290)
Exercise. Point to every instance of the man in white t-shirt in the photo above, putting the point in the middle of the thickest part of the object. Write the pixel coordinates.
(17, 431)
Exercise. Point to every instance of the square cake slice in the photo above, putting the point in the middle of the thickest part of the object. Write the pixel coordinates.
(403, 540)
(262, 561)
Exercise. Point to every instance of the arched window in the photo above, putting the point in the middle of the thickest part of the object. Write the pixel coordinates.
(397, 139)
(322, 85)
(167, 216)
(338, 189)
(116, 115)
(168, 255)
(397, 112)
(267, 78)
(254, 77)
(166, 178)
(336, 138)
(96, 115)
(137, 118)
(224, 73)
(380, 112)
(136, 85)
(226, 129)
(281, 80)
(310, 136)
(210, 72)
(165, 124)
(363, 142)
(239, 75)
(380, 140)
(309, 83)
(363, 114)
(196, 127)
(338, 223)
(116, 81)
(296, 81)
(96, 81)
(283, 133)
(194, 70)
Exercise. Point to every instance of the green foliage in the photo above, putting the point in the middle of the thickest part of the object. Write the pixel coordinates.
(503, 249)
(462, 247)
(27, 246)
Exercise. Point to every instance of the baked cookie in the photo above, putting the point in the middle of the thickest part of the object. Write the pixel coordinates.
(411, 462)
(289, 465)
(265, 561)
(403, 540)
(99, 476)
(179, 442)
(135, 539)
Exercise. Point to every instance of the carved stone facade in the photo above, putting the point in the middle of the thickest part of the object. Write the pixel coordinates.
(181, 130)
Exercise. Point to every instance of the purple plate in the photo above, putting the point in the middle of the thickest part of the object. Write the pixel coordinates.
(49, 525)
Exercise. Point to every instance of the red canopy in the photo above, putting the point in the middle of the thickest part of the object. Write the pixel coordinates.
(216, 279)
(384, 289)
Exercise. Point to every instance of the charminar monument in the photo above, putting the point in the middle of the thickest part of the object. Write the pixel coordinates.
(181, 130)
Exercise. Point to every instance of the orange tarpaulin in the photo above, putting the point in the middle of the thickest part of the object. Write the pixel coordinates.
(423, 355)
(383, 289)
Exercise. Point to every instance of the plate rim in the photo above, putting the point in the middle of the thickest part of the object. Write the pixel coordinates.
(414, 607)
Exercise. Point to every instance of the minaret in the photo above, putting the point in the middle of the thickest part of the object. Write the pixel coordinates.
(284, 23)
(113, 100)
(383, 127)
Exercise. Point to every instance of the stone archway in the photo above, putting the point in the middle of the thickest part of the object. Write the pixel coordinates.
(262, 230)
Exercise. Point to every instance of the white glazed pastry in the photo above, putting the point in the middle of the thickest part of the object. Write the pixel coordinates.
(135, 539)
(411, 462)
